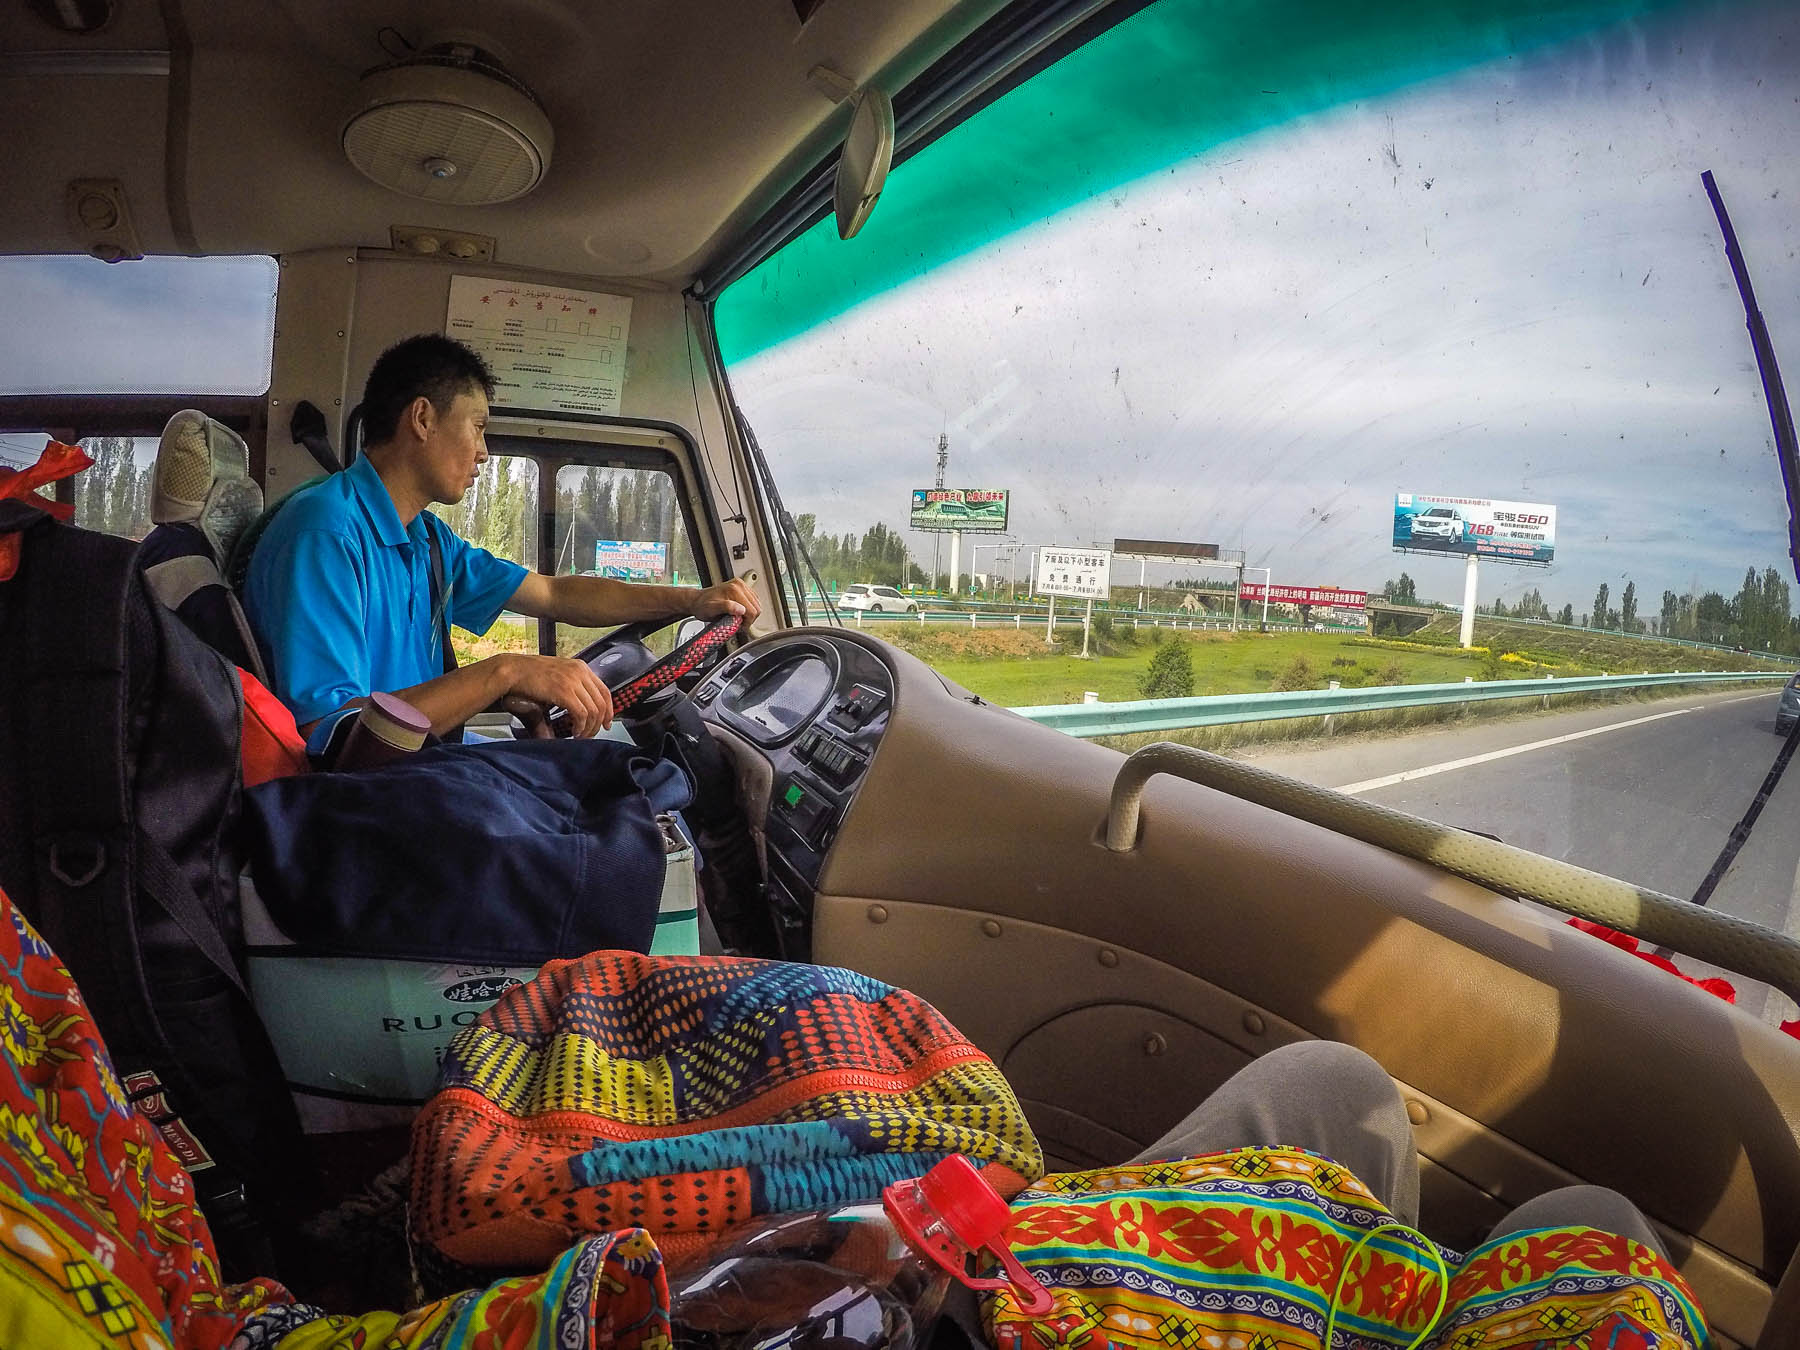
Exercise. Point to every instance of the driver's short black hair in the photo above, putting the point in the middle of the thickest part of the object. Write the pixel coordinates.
(438, 367)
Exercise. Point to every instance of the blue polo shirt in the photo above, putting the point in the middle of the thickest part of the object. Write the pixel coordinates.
(339, 595)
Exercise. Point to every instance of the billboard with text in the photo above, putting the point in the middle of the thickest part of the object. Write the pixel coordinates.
(630, 559)
(978, 510)
(1081, 573)
(1253, 593)
(1474, 526)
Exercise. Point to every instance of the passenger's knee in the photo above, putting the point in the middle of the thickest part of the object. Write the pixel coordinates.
(1342, 1072)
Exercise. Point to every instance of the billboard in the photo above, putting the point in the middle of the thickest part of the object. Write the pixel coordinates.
(1522, 532)
(1166, 548)
(1331, 596)
(1084, 573)
(630, 559)
(978, 510)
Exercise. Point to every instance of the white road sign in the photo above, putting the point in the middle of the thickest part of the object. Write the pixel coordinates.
(1084, 573)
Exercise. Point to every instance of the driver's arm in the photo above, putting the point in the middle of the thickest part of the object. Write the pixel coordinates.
(561, 681)
(600, 602)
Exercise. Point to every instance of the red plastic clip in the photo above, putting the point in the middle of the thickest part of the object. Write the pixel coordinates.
(952, 1216)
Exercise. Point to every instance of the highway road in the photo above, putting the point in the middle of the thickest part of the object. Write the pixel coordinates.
(1644, 791)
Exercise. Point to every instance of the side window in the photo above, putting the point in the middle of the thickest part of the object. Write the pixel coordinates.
(112, 495)
(619, 522)
(500, 513)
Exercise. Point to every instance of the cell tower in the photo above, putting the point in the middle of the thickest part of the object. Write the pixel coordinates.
(943, 459)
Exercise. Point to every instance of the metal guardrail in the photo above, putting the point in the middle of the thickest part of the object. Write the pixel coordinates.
(1025, 619)
(1172, 714)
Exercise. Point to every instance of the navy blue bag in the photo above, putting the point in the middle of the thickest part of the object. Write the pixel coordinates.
(519, 852)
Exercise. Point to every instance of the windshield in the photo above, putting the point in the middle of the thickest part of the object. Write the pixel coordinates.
(1275, 348)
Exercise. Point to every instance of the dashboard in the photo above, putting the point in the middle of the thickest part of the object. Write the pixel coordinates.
(814, 706)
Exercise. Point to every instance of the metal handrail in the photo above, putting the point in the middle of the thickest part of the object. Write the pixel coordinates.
(1171, 714)
(1720, 939)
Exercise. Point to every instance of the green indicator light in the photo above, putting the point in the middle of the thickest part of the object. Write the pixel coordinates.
(794, 794)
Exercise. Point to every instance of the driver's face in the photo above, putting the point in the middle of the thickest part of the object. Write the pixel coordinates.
(456, 447)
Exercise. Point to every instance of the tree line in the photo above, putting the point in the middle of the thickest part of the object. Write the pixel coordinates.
(1759, 617)
(877, 555)
(500, 513)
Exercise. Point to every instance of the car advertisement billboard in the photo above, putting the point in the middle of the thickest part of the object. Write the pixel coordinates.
(1512, 531)
(630, 559)
(979, 510)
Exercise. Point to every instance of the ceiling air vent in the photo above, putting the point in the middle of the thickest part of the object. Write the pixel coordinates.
(450, 125)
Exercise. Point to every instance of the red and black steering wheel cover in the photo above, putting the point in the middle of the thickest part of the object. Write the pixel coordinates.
(692, 655)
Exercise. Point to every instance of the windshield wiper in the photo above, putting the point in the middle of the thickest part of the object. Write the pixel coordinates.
(1781, 418)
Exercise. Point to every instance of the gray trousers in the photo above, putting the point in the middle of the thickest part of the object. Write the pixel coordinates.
(1333, 1099)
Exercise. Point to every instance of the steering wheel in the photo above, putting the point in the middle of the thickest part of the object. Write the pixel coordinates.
(642, 683)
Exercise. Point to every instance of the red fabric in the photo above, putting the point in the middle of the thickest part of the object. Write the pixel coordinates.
(1712, 984)
(57, 461)
(272, 745)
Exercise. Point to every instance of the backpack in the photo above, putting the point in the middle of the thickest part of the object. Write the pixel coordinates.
(119, 810)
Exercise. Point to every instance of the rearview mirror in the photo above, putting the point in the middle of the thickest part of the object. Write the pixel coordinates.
(863, 166)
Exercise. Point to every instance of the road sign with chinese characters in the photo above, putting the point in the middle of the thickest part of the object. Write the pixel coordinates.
(1084, 573)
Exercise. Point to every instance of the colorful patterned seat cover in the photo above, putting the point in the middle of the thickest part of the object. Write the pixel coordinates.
(1244, 1249)
(688, 1095)
(101, 1244)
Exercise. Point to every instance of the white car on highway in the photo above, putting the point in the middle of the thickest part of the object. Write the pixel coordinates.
(875, 600)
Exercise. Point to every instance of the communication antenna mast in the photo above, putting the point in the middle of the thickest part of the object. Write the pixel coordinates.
(937, 540)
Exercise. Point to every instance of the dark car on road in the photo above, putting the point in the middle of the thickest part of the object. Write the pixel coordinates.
(1789, 708)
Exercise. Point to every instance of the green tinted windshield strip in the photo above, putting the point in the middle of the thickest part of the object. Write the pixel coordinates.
(1173, 81)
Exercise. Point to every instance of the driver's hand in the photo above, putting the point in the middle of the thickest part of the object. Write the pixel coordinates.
(730, 597)
(563, 682)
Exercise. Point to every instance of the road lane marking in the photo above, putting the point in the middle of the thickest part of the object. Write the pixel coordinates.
(1388, 780)
(1727, 702)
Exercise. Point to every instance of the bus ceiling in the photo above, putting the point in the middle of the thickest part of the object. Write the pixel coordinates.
(620, 147)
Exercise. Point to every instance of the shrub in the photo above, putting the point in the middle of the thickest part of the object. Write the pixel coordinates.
(1392, 674)
(1493, 665)
(1171, 673)
(1298, 675)
(1343, 661)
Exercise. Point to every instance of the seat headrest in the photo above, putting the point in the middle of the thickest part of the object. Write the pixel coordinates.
(202, 477)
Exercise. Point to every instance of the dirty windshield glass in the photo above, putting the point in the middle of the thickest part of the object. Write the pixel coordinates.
(1340, 350)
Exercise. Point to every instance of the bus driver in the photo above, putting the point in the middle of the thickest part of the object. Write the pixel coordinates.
(340, 591)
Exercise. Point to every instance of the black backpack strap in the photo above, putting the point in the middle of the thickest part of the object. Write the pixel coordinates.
(163, 882)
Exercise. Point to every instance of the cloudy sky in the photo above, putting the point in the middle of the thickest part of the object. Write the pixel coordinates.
(1500, 282)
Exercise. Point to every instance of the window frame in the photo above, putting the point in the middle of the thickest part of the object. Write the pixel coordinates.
(74, 417)
(608, 443)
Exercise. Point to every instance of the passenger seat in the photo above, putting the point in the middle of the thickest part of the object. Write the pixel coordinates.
(202, 499)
